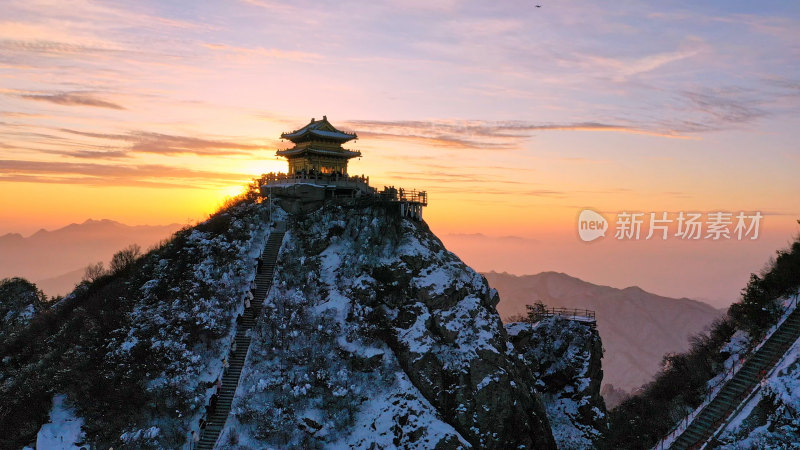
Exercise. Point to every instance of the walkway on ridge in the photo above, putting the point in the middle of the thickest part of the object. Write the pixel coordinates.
(230, 380)
(739, 386)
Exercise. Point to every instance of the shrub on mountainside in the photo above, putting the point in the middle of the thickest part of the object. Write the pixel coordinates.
(20, 300)
(93, 272)
(758, 310)
(124, 258)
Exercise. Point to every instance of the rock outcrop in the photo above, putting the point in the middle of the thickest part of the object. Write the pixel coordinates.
(565, 358)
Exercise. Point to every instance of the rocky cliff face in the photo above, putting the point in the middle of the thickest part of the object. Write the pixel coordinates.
(564, 357)
(375, 336)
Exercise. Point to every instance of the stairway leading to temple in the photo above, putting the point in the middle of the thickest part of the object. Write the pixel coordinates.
(230, 380)
(737, 388)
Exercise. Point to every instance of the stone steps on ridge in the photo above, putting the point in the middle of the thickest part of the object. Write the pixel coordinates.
(230, 379)
(740, 385)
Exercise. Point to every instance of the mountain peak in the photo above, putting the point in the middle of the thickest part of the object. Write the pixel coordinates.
(95, 223)
(41, 232)
(634, 289)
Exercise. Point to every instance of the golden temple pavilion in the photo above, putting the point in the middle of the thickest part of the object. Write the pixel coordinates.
(318, 149)
(318, 174)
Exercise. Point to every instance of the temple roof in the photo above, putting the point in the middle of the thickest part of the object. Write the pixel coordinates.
(318, 129)
(340, 152)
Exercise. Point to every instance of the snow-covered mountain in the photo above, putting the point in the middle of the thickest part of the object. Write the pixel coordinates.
(130, 355)
(373, 335)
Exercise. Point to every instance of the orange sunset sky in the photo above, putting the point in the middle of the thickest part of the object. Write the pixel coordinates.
(512, 117)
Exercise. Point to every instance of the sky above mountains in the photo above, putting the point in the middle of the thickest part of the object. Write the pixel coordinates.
(513, 118)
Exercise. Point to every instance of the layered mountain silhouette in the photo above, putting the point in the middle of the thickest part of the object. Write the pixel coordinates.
(56, 259)
(637, 327)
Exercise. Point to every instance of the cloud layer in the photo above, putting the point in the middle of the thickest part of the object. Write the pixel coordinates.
(73, 99)
(147, 175)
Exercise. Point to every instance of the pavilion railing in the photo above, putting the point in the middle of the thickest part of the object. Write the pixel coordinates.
(273, 177)
(389, 193)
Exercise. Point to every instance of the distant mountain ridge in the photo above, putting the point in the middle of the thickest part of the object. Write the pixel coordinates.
(56, 258)
(637, 327)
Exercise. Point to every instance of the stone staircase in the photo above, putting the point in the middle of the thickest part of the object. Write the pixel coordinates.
(739, 386)
(230, 380)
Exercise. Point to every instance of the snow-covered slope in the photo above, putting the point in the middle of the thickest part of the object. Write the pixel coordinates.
(375, 336)
(63, 431)
(565, 359)
(135, 352)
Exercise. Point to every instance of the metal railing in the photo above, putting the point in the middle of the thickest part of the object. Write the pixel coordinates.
(537, 314)
(403, 195)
